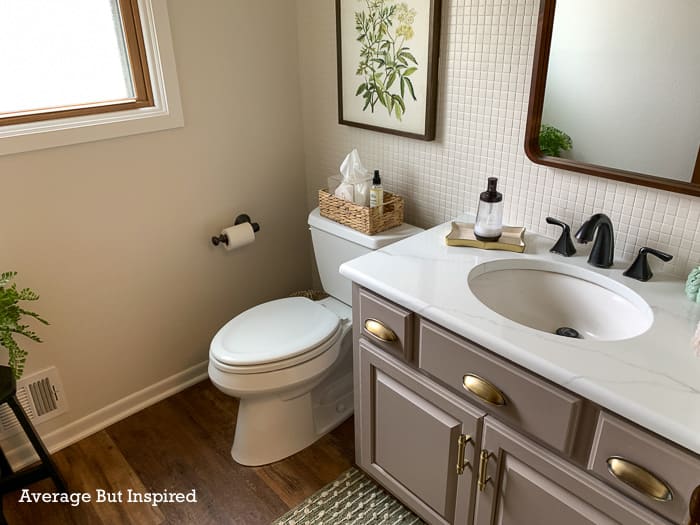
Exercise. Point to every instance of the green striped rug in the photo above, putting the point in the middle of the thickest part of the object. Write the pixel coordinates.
(353, 498)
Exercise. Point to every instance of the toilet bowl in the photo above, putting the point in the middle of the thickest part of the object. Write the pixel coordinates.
(289, 361)
(272, 357)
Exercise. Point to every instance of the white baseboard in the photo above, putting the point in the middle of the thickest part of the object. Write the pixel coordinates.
(23, 454)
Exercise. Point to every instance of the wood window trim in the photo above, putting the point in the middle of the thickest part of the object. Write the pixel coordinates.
(138, 64)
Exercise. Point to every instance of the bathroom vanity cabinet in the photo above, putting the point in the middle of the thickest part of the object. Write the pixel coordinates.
(463, 436)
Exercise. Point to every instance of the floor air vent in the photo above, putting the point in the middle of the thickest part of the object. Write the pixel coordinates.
(41, 395)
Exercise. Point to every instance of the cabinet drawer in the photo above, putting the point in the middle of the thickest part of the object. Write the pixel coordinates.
(528, 403)
(387, 325)
(648, 468)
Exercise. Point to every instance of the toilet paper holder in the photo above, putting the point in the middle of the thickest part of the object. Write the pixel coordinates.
(243, 217)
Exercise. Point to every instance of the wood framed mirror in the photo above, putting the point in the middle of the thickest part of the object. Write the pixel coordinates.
(621, 80)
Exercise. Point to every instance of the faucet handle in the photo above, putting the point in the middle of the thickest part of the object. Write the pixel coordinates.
(564, 246)
(640, 268)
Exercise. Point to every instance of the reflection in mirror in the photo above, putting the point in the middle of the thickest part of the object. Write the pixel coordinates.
(616, 92)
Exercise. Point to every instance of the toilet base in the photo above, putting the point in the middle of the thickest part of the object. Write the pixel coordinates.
(283, 411)
(271, 429)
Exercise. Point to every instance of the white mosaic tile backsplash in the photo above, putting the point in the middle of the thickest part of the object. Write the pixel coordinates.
(485, 67)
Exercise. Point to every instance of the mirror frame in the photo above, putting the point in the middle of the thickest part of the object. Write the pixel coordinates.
(543, 44)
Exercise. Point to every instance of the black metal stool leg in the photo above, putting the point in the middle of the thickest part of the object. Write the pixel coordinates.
(3, 521)
(5, 467)
(6, 471)
(37, 443)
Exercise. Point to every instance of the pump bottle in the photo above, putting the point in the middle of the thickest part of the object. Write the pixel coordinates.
(489, 217)
(376, 192)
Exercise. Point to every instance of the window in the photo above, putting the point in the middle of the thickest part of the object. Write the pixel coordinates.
(69, 64)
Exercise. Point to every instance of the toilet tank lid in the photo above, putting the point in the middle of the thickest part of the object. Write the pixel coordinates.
(373, 242)
(274, 331)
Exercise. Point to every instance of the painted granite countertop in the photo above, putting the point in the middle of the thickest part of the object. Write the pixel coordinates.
(652, 379)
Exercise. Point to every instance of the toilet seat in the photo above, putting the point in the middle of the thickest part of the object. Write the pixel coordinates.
(274, 335)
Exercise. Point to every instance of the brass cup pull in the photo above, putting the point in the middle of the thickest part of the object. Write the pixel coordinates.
(483, 389)
(380, 331)
(461, 448)
(639, 479)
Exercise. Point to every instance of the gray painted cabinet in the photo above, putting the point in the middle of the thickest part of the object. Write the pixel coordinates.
(455, 459)
(414, 436)
(526, 484)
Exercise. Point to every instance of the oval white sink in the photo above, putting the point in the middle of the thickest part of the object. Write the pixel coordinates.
(549, 296)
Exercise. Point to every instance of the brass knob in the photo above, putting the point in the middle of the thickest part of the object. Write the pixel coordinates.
(694, 507)
(380, 331)
(639, 479)
(483, 389)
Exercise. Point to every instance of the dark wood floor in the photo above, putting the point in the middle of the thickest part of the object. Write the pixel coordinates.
(180, 444)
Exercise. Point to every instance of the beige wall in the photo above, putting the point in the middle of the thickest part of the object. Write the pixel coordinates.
(486, 54)
(115, 234)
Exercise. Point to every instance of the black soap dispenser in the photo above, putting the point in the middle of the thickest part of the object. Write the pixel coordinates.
(489, 217)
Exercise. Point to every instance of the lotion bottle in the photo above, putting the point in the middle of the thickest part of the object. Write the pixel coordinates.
(376, 193)
(489, 217)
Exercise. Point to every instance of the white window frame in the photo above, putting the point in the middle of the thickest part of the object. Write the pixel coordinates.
(166, 113)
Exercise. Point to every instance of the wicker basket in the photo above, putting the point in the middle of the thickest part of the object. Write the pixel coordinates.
(362, 218)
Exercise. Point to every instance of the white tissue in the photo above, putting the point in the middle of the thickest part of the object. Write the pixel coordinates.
(345, 192)
(355, 174)
(696, 341)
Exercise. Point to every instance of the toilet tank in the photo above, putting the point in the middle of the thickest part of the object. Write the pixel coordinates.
(335, 244)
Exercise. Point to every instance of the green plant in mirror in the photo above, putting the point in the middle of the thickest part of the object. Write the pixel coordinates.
(12, 319)
(553, 141)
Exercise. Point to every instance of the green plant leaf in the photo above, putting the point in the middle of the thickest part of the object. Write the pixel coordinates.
(391, 80)
(378, 82)
(27, 295)
(410, 71)
(552, 141)
(409, 56)
(6, 277)
(397, 111)
(35, 315)
(360, 89)
(11, 317)
(382, 98)
(410, 87)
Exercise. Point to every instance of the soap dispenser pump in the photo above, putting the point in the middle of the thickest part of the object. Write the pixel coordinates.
(489, 217)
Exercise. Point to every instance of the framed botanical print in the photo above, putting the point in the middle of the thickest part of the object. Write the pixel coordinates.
(388, 65)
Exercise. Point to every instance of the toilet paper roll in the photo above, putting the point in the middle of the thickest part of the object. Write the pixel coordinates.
(238, 235)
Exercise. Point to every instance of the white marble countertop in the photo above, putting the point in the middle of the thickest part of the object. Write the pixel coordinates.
(652, 379)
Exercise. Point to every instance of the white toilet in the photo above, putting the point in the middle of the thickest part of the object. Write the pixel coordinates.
(290, 360)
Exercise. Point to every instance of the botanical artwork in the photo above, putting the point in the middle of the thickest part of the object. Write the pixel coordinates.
(386, 63)
(387, 67)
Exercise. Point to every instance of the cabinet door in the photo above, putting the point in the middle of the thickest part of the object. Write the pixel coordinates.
(525, 484)
(410, 433)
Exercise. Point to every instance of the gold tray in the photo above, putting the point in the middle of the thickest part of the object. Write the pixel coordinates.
(462, 234)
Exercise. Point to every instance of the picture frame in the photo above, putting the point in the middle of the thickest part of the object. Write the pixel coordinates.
(388, 65)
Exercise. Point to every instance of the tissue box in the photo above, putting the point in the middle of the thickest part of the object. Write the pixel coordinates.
(362, 218)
